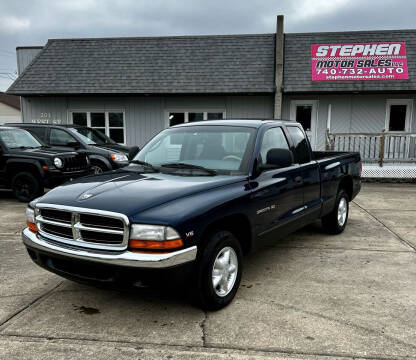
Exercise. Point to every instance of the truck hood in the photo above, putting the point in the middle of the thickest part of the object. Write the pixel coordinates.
(130, 192)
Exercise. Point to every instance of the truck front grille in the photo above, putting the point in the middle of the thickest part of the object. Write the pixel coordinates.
(81, 227)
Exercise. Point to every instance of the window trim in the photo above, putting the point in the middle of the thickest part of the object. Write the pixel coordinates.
(409, 114)
(107, 122)
(187, 111)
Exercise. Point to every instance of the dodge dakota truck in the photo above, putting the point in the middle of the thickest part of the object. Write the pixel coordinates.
(192, 203)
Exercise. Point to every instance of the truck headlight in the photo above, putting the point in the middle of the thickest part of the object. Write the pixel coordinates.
(30, 220)
(153, 237)
(119, 158)
(58, 163)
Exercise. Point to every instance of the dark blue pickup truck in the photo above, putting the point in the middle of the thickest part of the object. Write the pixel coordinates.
(193, 201)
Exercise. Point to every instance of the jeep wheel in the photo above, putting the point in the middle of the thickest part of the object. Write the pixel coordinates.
(26, 186)
(336, 220)
(219, 271)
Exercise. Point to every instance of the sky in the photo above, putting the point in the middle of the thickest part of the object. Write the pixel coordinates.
(33, 22)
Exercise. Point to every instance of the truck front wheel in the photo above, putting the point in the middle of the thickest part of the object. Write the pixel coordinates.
(26, 186)
(336, 220)
(218, 271)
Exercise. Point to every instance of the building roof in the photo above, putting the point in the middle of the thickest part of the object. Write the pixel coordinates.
(152, 65)
(297, 75)
(10, 100)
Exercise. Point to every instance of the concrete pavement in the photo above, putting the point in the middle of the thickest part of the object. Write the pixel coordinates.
(311, 296)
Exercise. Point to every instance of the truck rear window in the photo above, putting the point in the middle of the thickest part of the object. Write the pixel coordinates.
(301, 149)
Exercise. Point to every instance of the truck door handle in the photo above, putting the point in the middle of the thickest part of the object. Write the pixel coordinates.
(298, 179)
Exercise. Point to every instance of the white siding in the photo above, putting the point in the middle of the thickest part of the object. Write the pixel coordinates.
(9, 114)
(144, 116)
(25, 57)
(353, 113)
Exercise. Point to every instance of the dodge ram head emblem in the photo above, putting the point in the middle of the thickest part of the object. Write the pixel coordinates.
(85, 196)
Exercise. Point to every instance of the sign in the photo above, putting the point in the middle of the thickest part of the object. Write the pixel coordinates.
(359, 61)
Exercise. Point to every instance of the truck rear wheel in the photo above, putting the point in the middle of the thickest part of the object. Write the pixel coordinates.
(218, 271)
(26, 186)
(336, 220)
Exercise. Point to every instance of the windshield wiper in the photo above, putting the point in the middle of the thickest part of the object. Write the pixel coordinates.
(180, 165)
(144, 163)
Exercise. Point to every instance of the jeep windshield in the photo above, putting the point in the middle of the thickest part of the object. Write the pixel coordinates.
(91, 136)
(200, 149)
(19, 139)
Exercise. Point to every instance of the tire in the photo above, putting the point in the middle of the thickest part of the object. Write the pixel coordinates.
(26, 186)
(336, 221)
(98, 168)
(221, 245)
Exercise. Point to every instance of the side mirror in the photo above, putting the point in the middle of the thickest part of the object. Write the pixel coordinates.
(278, 158)
(73, 144)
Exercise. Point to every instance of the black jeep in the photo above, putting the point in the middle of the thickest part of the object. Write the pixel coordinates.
(27, 165)
(104, 153)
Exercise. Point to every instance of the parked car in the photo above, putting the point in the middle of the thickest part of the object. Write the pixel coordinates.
(105, 154)
(27, 165)
(193, 201)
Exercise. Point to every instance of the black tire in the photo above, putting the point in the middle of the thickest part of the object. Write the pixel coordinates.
(26, 186)
(204, 293)
(331, 222)
(98, 168)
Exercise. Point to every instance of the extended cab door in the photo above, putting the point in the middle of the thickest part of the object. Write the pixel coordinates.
(276, 194)
(308, 173)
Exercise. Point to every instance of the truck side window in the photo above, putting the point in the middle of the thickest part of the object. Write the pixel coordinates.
(273, 138)
(301, 150)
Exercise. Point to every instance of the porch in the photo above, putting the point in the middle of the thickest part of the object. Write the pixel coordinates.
(384, 155)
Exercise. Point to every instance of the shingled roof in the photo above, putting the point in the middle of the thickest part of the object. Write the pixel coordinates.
(152, 65)
(297, 67)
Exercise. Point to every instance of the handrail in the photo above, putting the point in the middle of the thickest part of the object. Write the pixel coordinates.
(381, 147)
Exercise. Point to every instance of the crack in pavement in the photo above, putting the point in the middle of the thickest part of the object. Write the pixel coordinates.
(339, 248)
(202, 325)
(329, 318)
(4, 323)
(207, 348)
(404, 241)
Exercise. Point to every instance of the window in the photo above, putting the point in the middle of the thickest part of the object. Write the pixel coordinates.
(14, 138)
(273, 139)
(304, 116)
(225, 149)
(175, 118)
(60, 137)
(301, 148)
(398, 115)
(38, 131)
(110, 123)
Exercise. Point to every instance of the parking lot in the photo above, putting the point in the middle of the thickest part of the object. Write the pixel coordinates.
(311, 296)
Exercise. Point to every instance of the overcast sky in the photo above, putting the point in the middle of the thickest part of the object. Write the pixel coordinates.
(33, 22)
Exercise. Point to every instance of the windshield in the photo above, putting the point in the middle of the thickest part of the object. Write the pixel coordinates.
(18, 138)
(92, 136)
(225, 149)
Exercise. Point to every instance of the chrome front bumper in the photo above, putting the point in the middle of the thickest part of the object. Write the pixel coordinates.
(125, 258)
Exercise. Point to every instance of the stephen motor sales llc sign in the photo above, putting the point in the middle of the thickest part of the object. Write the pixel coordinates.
(359, 61)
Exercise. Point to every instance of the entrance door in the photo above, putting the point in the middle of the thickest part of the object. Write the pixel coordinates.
(305, 113)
